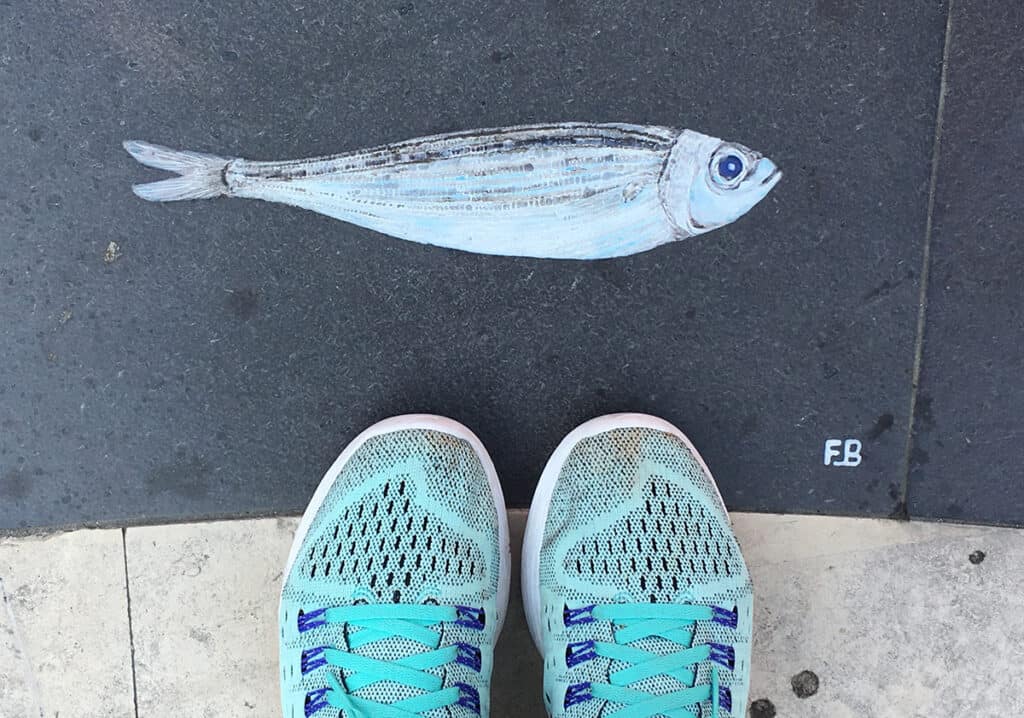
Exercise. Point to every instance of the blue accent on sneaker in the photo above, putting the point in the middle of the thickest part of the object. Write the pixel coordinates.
(579, 652)
(312, 659)
(577, 616)
(313, 619)
(469, 617)
(577, 693)
(725, 698)
(723, 655)
(315, 700)
(469, 697)
(729, 619)
(468, 656)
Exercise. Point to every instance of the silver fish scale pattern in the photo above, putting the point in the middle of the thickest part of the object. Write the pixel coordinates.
(572, 190)
(471, 182)
(501, 140)
(565, 190)
(666, 546)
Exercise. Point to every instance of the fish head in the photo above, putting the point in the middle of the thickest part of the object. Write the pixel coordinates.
(708, 183)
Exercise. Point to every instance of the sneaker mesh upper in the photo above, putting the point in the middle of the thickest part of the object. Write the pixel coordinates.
(410, 519)
(635, 518)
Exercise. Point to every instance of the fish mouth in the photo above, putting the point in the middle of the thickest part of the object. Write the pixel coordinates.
(769, 173)
(774, 177)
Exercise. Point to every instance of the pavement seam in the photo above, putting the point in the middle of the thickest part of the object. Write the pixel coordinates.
(903, 508)
(131, 634)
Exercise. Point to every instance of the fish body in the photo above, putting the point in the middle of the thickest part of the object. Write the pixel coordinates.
(570, 190)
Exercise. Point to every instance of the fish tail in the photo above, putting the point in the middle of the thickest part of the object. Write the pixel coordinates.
(201, 176)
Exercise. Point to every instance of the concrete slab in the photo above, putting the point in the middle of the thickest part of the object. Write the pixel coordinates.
(204, 603)
(901, 620)
(64, 636)
(204, 616)
(882, 613)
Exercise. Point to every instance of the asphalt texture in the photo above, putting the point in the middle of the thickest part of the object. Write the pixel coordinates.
(968, 440)
(202, 359)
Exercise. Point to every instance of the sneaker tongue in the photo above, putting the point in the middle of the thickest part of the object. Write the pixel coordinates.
(395, 648)
(659, 684)
(390, 650)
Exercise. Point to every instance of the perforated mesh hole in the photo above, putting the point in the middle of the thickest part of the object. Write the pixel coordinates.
(671, 545)
(373, 528)
(668, 543)
(374, 542)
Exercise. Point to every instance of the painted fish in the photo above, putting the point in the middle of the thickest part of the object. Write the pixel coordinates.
(570, 190)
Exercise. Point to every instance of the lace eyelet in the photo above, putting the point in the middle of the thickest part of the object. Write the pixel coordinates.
(308, 621)
(723, 655)
(315, 700)
(729, 619)
(469, 656)
(579, 652)
(725, 698)
(469, 617)
(577, 616)
(577, 693)
(312, 658)
(469, 697)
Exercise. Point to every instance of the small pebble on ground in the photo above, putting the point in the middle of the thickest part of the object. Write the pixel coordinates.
(805, 684)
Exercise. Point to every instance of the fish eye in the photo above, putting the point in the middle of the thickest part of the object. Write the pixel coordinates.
(727, 168)
(730, 167)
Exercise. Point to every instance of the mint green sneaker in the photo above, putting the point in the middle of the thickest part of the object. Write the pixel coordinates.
(635, 590)
(397, 582)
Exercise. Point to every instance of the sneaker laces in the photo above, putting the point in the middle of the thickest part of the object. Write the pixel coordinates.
(633, 622)
(419, 624)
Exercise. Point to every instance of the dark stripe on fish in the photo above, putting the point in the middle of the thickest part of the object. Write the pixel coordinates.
(442, 147)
